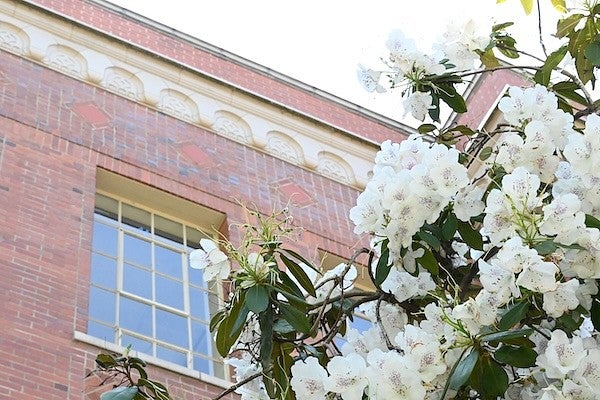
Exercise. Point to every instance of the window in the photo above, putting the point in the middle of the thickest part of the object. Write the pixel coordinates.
(142, 292)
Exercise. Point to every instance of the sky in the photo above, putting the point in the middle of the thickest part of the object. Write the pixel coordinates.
(321, 42)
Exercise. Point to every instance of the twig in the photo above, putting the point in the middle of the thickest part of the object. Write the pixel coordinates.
(540, 29)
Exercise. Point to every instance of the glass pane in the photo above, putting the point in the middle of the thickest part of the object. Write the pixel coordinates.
(195, 277)
(167, 230)
(202, 365)
(137, 281)
(176, 357)
(136, 219)
(171, 328)
(169, 292)
(198, 304)
(361, 324)
(137, 251)
(201, 339)
(107, 207)
(167, 261)
(104, 239)
(102, 305)
(135, 316)
(104, 271)
(100, 331)
(193, 237)
(143, 346)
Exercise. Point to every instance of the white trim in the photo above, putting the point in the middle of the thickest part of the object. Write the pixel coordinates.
(103, 344)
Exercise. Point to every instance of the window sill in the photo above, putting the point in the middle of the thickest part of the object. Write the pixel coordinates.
(85, 338)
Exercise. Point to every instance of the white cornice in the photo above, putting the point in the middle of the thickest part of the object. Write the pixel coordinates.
(184, 93)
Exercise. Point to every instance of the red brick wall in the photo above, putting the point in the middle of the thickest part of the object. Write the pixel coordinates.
(55, 131)
(186, 53)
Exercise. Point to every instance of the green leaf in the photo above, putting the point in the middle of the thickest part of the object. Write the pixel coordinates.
(592, 222)
(449, 227)
(488, 59)
(429, 238)
(485, 153)
(265, 322)
(568, 90)
(527, 6)
(105, 361)
(577, 45)
(501, 26)
(296, 318)
(567, 25)
(559, 5)
(299, 258)
(216, 320)
(455, 101)
(434, 110)
(542, 76)
(465, 130)
(430, 263)
(595, 313)
(506, 335)
(513, 315)
(226, 336)
(240, 319)
(383, 269)
(471, 237)
(120, 393)
(299, 274)
(592, 52)
(489, 378)
(520, 357)
(426, 128)
(462, 370)
(546, 247)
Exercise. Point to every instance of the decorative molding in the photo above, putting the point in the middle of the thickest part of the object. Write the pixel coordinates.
(190, 96)
(284, 147)
(232, 126)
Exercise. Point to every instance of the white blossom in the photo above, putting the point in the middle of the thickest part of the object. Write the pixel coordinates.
(211, 260)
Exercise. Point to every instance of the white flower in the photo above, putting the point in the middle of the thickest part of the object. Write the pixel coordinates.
(562, 355)
(369, 79)
(308, 378)
(588, 372)
(347, 376)
(418, 104)
(211, 260)
(468, 203)
(390, 377)
(562, 299)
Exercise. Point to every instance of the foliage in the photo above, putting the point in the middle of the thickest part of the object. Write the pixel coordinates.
(485, 245)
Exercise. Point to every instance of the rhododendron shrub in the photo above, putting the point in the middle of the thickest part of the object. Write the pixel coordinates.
(484, 253)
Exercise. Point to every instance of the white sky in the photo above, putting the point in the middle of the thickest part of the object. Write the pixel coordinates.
(320, 42)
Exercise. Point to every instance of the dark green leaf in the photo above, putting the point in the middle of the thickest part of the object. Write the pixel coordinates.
(592, 222)
(592, 52)
(283, 327)
(513, 315)
(120, 393)
(430, 263)
(568, 90)
(485, 153)
(299, 274)
(240, 319)
(296, 318)
(465, 130)
(434, 110)
(455, 101)
(105, 361)
(567, 25)
(471, 237)
(226, 336)
(257, 298)
(462, 370)
(542, 76)
(501, 26)
(506, 335)
(429, 238)
(298, 257)
(546, 247)
(449, 227)
(383, 269)
(216, 320)
(489, 378)
(595, 313)
(520, 357)
(568, 323)
(426, 128)
(265, 322)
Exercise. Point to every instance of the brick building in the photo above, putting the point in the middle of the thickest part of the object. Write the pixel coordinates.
(122, 143)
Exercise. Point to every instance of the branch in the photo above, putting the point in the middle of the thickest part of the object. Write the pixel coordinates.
(539, 11)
